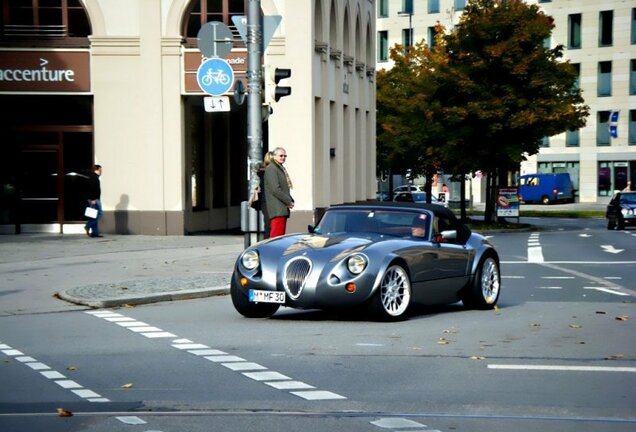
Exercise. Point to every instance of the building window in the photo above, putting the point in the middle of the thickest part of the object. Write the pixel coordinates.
(407, 6)
(383, 46)
(407, 38)
(459, 5)
(433, 6)
(572, 138)
(203, 11)
(631, 140)
(545, 141)
(605, 30)
(632, 77)
(383, 8)
(57, 23)
(602, 128)
(574, 31)
(432, 32)
(545, 1)
(577, 70)
(604, 80)
(633, 38)
(612, 176)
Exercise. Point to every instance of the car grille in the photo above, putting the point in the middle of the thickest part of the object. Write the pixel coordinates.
(296, 273)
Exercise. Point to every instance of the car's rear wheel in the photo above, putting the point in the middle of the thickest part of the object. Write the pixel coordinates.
(484, 291)
(611, 224)
(393, 298)
(248, 309)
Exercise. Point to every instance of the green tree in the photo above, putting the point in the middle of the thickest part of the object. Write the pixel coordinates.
(409, 135)
(503, 89)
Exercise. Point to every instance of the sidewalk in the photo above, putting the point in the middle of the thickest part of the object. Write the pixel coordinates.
(38, 271)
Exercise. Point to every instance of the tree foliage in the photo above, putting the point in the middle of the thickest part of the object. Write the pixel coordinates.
(483, 98)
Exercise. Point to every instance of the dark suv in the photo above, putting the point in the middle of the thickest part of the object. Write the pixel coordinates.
(621, 210)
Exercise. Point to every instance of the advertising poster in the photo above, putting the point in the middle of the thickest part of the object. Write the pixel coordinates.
(507, 204)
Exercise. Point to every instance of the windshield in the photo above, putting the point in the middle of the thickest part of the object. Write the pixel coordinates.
(390, 222)
(628, 198)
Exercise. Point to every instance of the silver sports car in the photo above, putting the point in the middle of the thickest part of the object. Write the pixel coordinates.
(384, 256)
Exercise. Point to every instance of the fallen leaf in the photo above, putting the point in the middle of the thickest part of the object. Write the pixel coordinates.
(128, 305)
(64, 413)
(71, 368)
(535, 325)
(123, 288)
(442, 341)
(575, 326)
(601, 312)
(127, 386)
(477, 357)
(622, 318)
(615, 357)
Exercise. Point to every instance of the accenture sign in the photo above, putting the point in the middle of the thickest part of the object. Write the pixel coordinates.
(44, 71)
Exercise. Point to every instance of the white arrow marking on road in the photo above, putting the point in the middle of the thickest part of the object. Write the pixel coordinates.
(611, 249)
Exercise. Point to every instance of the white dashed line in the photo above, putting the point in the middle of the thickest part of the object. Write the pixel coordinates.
(551, 287)
(254, 371)
(558, 277)
(564, 368)
(396, 423)
(53, 375)
(131, 420)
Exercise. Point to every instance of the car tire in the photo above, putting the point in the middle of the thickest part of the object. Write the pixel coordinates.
(393, 297)
(611, 224)
(620, 224)
(483, 292)
(248, 309)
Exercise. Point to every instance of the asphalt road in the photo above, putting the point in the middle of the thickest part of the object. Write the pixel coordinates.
(558, 354)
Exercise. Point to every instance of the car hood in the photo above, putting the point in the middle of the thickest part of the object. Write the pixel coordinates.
(329, 243)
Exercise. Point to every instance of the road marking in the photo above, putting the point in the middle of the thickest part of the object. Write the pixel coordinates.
(513, 277)
(572, 262)
(611, 249)
(551, 287)
(613, 277)
(231, 362)
(558, 277)
(396, 423)
(131, 420)
(564, 368)
(53, 375)
(535, 254)
(606, 290)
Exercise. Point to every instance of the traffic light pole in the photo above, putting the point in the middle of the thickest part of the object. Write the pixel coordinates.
(254, 116)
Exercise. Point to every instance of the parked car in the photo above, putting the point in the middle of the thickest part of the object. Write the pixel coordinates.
(546, 188)
(382, 196)
(621, 210)
(407, 188)
(382, 256)
(416, 197)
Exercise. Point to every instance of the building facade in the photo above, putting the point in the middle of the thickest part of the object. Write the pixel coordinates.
(114, 83)
(600, 41)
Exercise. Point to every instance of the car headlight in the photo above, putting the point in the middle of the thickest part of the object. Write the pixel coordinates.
(625, 212)
(250, 260)
(357, 263)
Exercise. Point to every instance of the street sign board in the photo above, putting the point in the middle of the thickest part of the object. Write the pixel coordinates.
(216, 103)
(215, 76)
(215, 39)
(270, 24)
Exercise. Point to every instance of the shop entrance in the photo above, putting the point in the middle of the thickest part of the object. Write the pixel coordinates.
(45, 158)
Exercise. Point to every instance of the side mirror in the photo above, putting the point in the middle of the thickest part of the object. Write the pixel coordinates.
(311, 229)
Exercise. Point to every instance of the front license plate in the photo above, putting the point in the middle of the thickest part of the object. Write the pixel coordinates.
(260, 296)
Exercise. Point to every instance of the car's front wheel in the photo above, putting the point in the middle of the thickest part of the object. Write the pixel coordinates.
(393, 297)
(483, 293)
(248, 309)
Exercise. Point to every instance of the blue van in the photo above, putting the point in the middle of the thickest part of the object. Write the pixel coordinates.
(546, 188)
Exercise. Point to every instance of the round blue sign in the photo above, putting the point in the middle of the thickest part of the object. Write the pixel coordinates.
(215, 76)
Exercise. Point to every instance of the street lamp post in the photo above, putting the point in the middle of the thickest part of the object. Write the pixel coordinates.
(408, 13)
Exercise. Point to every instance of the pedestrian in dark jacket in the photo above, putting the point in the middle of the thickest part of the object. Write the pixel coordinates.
(93, 199)
(277, 192)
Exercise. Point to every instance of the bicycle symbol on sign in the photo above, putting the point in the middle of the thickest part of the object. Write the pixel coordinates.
(217, 77)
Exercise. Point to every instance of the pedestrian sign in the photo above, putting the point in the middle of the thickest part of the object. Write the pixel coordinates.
(215, 76)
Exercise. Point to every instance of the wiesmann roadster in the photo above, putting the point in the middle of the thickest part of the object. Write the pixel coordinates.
(383, 256)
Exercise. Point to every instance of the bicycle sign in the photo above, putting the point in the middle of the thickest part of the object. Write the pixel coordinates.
(215, 76)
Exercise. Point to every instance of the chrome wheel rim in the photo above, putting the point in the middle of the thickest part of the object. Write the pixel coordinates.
(395, 291)
(490, 281)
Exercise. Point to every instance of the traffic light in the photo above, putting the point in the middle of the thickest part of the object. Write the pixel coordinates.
(273, 92)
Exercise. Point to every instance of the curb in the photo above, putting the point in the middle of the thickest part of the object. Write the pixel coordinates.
(144, 298)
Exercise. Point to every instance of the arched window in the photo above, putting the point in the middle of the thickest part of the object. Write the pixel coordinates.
(200, 12)
(54, 23)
